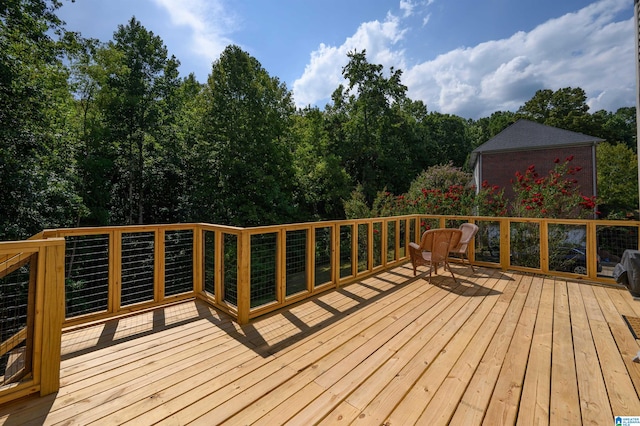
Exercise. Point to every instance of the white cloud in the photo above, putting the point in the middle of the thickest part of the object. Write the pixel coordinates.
(407, 7)
(587, 49)
(208, 20)
(323, 73)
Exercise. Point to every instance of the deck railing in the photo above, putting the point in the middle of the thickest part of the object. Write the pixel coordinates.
(31, 316)
(248, 272)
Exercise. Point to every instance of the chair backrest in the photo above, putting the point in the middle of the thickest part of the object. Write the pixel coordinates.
(469, 230)
(440, 242)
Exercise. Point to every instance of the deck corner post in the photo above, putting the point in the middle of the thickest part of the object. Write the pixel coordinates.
(52, 318)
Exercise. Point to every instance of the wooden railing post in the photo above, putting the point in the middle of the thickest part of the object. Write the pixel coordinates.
(335, 254)
(160, 264)
(52, 318)
(198, 260)
(544, 246)
(505, 243)
(244, 277)
(115, 271)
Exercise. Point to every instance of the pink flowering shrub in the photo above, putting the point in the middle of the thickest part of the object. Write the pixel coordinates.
(556, 195)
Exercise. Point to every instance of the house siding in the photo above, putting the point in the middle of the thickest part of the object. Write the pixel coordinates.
(499, 168)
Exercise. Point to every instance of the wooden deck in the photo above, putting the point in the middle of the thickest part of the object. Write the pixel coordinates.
(498, 348)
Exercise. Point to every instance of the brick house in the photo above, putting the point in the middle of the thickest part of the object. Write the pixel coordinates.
(526, 143)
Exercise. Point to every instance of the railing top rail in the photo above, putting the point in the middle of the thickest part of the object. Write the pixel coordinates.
(11, 247)
(62, 232)
(320, 224)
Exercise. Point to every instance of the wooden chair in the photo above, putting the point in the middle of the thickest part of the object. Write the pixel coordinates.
(469, 230)
(434, 249)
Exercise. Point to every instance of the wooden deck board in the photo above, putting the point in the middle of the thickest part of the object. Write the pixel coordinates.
(495, 348)
(534, 403)
(594, 401)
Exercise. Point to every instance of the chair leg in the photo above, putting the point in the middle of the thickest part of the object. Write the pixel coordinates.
(450, 270)
(468, 260)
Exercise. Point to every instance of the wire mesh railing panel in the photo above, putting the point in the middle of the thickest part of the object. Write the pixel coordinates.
(429, 223)
(137, 267)
(296, 261)
(230, 268)
(209, 263)
(178, 257)
(14, 298)
(568, 248)
(264, 248)
(377, 244)
(346, 236)
(525, 244)
(454, 223)
(487, 241)
(612, 241)
(363, 247)
(86, 274)
(391, 241)
(322, 257)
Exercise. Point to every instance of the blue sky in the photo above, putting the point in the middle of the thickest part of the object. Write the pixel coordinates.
(464, 57)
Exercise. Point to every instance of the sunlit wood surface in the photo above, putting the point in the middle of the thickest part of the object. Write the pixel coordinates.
(496, 348)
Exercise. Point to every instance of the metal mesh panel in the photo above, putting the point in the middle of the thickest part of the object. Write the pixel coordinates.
(263, 268)
(612, 242)
(525, 244)
(178, 255)
(391, 241)
(14, 296)
(363, 247)
(137, 267)
(453, 223)
(86, 274)
(322, 256)
(296, 261)
(230, 269)
(487, 241)
(568, 248)
(209, 261)
(377, 244)
(346, 234)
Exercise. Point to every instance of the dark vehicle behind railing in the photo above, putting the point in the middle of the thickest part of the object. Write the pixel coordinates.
(571, 259)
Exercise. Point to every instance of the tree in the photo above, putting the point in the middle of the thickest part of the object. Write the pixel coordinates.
(485, 128)
(373, 133)
(321, 180)
(36, 161)
(565, 108)
(618, 127)
(450, 140)
(245, 165)
(135, 101)
(617, 180)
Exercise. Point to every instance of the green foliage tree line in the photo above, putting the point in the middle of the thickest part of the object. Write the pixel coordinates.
(97, 133)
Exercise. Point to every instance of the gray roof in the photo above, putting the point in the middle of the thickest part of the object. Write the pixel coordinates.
(528, 135)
